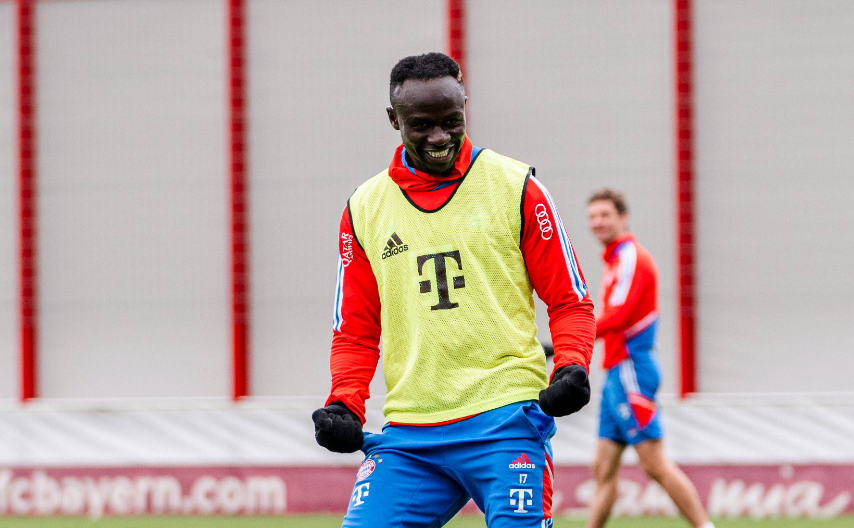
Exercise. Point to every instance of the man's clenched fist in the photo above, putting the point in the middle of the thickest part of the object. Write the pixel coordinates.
(337, 428)
(568, 392)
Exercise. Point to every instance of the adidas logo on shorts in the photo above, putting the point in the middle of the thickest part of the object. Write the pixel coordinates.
(522, 463)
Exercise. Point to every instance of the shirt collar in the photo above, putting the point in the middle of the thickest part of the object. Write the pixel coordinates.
(611, 248)
(412, 179)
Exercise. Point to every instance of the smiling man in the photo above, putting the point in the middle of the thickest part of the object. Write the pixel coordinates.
(628, 325)
(441, 254)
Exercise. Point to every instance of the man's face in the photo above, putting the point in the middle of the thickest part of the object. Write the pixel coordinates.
(432, 122)
(605, 222)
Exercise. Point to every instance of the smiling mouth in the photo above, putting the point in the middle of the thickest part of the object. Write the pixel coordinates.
(439, 153)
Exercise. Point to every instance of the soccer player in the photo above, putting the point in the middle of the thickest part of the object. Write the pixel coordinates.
(628, 324)
(441, 253)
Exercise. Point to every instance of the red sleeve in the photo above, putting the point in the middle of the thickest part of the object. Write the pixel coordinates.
(356, 324)
(623, 305)
(557, 278)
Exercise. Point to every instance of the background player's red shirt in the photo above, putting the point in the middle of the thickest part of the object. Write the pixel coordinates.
(629, 296)
(549, 258)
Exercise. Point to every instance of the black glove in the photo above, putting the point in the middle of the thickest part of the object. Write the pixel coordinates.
(337, 428)
(568, 392)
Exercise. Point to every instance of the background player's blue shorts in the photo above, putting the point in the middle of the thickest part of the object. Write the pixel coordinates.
(640, 374)
(422, 476)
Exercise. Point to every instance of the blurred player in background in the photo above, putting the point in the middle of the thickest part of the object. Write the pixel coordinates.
(441, 253)
(628, 324)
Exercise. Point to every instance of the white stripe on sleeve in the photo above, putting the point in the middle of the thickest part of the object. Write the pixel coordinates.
(578, 284)
(628, 256)
(337, 318)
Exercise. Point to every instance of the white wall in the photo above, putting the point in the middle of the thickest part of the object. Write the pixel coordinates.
(8, 206)
(318, 89)
(133, 225)
(583, 92)
(775, 129)
(132, 194)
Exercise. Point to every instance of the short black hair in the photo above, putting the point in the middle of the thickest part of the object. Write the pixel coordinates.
(424, 68)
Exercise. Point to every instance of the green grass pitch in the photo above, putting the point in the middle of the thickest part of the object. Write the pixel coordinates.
(331, 521)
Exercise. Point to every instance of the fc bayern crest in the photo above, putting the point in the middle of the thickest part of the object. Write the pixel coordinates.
(366, 469)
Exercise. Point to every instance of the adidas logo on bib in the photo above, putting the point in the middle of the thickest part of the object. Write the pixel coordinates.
(394, 246)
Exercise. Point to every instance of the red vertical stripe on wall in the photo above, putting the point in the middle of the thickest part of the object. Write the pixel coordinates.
(457, 32)
(27, 189)
(685, 193)
(457, 39)
(239, 197)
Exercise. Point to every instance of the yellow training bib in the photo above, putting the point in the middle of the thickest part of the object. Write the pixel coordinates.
(458, 330)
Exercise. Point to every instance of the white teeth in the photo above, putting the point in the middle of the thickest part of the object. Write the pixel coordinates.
(441, 153)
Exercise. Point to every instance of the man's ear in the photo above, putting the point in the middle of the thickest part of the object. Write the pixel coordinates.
(392, 118)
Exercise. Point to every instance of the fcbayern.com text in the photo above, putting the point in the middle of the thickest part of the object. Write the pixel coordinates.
(40, 493)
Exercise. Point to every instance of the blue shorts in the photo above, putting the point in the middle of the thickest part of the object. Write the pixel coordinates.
(618, 417)
(424, 475)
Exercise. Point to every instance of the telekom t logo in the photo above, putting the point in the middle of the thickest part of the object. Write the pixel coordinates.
(441, 278)
(520, 502)
(360, 491)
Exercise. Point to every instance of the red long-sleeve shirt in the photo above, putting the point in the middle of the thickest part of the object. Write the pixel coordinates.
(549, 258)
(629, 297)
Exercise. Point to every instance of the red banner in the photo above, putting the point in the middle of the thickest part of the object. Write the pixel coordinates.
(729, 491)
